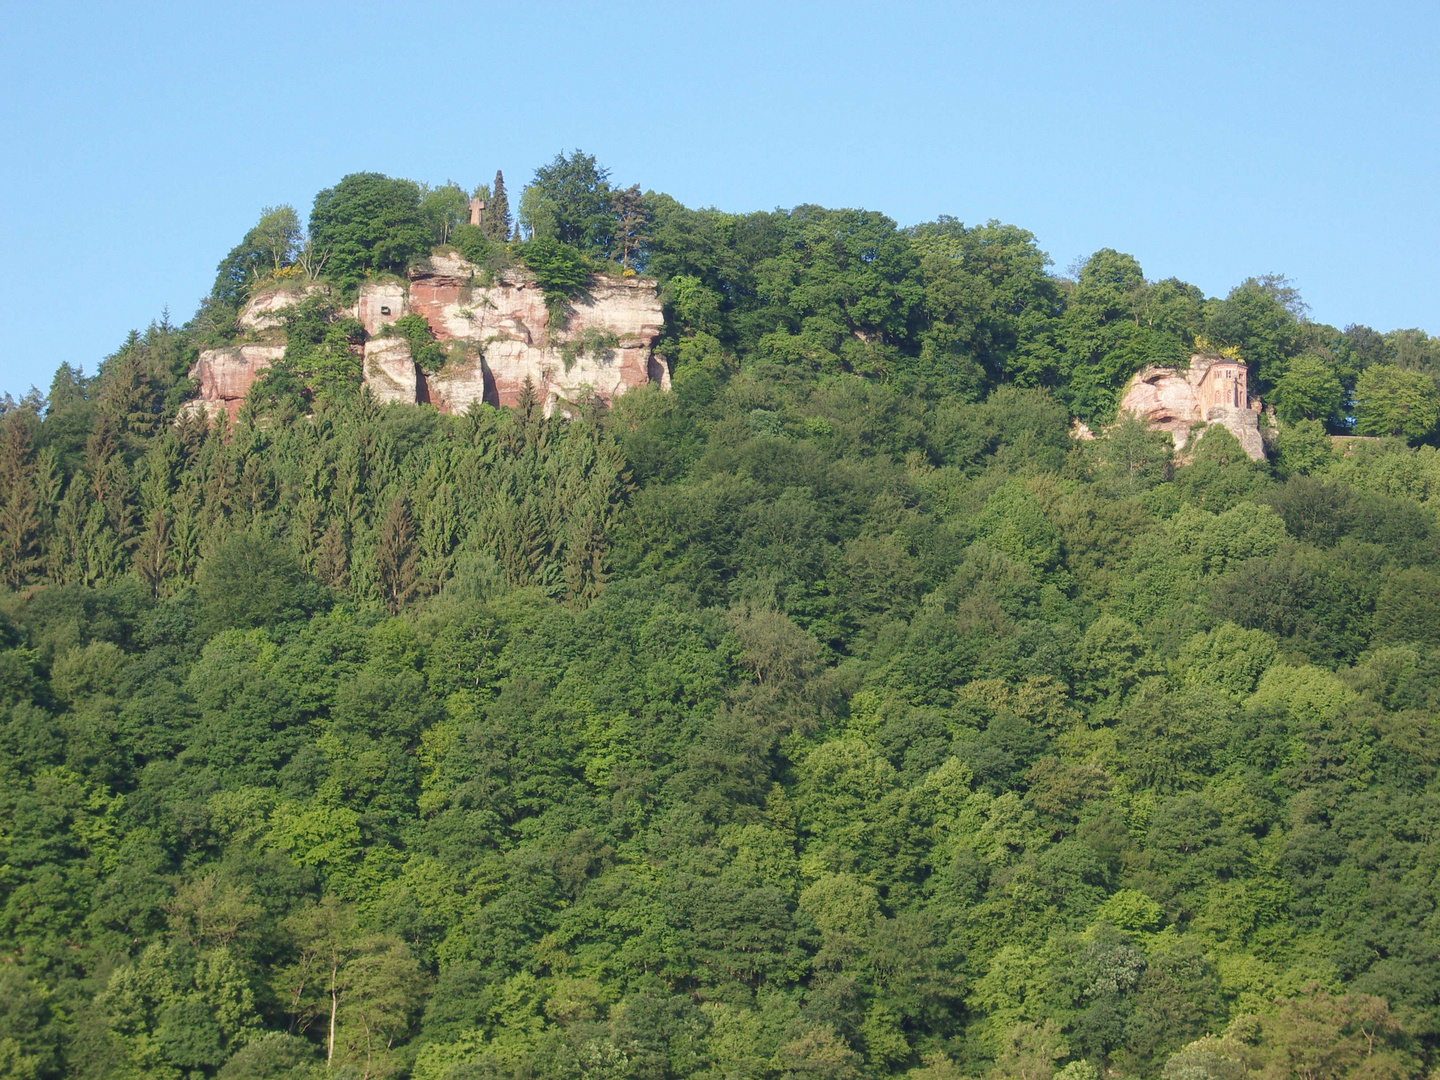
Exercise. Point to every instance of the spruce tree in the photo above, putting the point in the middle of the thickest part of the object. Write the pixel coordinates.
(527, 404)
(496, 223)
(332, 561)
(152, 556)
(396, 557)
(109, 480)
(20, 521)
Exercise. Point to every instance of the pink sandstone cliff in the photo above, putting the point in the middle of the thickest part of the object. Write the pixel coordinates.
(226, 376)
(498, 337)
(1212, 390)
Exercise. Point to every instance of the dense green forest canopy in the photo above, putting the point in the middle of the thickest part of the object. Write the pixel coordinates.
(835, 715)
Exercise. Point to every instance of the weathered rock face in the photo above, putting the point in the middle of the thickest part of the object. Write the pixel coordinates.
(266, 309)
(379, 303)
(389, 371)
(1212, 390)
(502, 335)
(226, 376)
(603, 349)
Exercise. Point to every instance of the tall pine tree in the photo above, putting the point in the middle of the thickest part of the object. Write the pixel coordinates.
(632, 220)
(20, 520)
(396, 557)
(332, 561)
(496, 224)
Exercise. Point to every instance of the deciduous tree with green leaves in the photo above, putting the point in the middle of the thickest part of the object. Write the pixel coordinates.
(1393, 401)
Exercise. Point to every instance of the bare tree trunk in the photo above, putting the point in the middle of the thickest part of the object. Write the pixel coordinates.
(330, 1042)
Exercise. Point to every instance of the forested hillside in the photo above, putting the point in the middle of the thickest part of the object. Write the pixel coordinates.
(834, 715)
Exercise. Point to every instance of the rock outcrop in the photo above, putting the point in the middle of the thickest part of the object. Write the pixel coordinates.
(226, 376)
(390, 373)
(1212, 390)
(498, 336)
(604, 347)
(266, 309)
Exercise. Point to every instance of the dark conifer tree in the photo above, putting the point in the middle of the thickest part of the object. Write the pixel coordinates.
(496, 225)
(631, 224)
(152, 556)
(332, 561)
(396, 559)
(528, 403)
(130, 391)
(109, 479)
(20, 519)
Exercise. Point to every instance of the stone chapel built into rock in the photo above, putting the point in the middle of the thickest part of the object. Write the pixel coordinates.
(1211, 390)
(1224, 385)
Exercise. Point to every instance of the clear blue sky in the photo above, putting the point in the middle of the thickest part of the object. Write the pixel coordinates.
(1212, 141)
